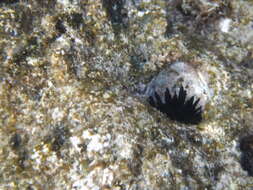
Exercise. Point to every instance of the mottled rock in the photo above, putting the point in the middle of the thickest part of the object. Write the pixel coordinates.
(72, 110)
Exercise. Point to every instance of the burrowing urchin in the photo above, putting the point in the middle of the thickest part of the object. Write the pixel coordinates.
(180, 92)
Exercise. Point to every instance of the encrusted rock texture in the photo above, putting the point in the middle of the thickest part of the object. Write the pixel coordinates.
(74, 76)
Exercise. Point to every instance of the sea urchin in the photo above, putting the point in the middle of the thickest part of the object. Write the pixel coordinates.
(178, 107)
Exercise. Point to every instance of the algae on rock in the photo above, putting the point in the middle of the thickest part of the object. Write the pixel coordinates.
(72, 110)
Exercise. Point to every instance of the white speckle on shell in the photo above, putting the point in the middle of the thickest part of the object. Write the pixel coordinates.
(126, 152)
(225, 25)
(95, 144)
(57, 114)
(75, 142)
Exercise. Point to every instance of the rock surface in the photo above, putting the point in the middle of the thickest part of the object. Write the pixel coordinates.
(72, 110)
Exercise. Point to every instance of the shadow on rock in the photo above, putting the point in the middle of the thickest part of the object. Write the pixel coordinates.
(117, 14)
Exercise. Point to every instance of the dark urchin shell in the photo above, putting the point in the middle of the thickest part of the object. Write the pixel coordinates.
(177, 107)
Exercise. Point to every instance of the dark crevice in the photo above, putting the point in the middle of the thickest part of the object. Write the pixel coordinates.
(15, 141)
(59, 26)
(9, 1)
(59, 137)
(117, 14)
(75, 20)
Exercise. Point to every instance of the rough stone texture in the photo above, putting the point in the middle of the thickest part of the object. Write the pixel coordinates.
(72, 78)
